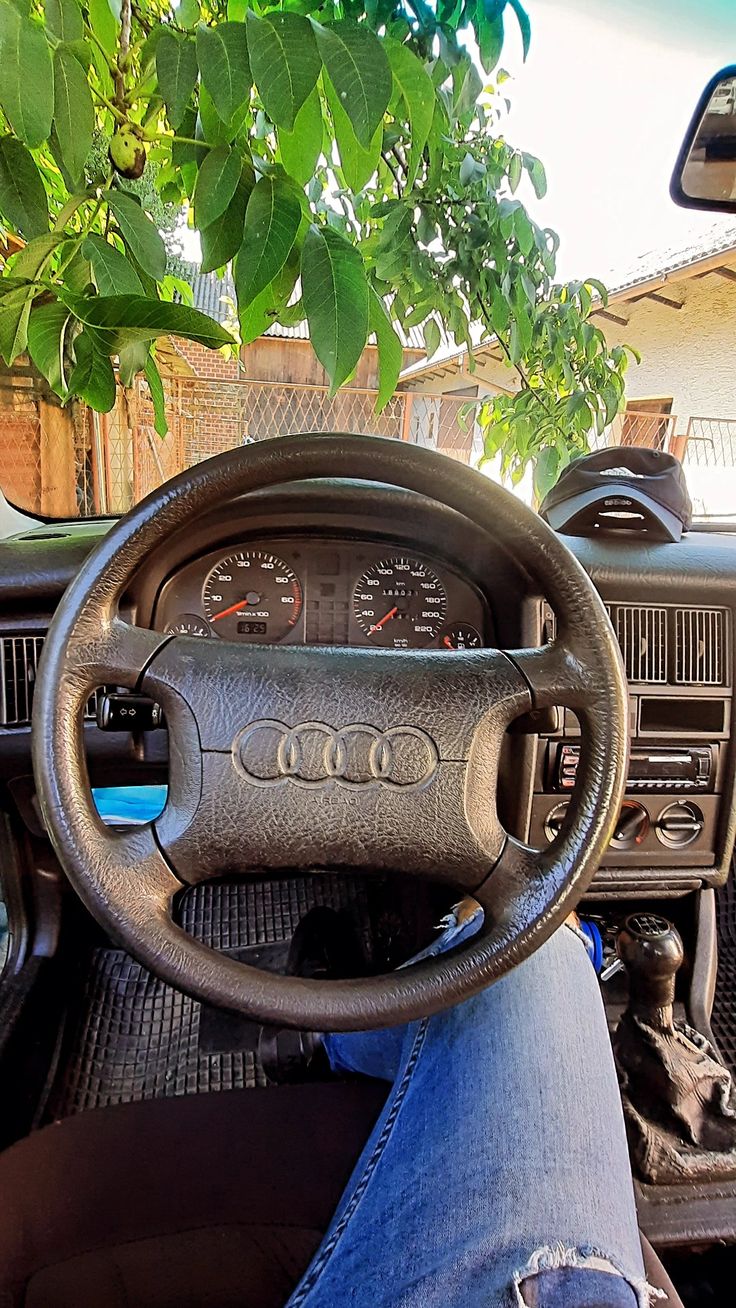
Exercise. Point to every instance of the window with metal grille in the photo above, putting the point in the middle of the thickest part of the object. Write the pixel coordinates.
(701, 647)
(19, 655)
(641, 631)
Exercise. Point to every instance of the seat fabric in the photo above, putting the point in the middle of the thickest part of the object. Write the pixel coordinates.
(207, 1201)
(195, 1202)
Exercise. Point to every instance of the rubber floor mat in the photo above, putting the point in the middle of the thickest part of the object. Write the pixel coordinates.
(723, 1017)
(130, 1036)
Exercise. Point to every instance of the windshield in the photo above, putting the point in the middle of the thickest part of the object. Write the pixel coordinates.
(660, 290)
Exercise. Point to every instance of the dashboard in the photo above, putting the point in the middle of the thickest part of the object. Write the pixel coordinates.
(347, 564)
(325, 591)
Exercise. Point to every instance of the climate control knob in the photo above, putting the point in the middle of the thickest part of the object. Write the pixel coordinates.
(680, 824)
(632, 826)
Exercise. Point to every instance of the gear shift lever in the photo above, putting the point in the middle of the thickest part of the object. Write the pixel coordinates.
(679, 1100)
(651, 949)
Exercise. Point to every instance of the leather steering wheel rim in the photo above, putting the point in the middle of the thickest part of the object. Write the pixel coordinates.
(424, 804)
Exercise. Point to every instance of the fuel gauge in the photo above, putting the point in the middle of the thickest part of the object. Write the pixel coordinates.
(188, 624)
(460, 635)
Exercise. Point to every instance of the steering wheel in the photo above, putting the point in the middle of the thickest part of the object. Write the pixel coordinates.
(296, 757)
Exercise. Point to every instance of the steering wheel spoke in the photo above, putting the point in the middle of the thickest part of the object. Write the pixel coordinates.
(110, 653)
(556, 675)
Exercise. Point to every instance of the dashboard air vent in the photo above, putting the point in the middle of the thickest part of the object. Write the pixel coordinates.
(19, 657)
(641, 632)
(701, 647)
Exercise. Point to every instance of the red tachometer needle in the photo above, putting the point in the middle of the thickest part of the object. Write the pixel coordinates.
(241, 604)
(386, 618)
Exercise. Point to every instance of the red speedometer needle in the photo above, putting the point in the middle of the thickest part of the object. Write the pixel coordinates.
(386, 618)
(241, 604)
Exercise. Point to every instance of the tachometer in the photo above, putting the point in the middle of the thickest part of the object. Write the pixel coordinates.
(252, 595)
(400, 603)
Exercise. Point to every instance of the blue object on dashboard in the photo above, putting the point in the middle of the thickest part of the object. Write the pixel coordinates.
(593, 943)
(124, 806)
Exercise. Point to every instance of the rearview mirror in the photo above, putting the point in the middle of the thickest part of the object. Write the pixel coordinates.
(705, 172)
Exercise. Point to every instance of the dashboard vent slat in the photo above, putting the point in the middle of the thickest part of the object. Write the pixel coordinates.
(701, 647)
(19, 655)
(641, 631)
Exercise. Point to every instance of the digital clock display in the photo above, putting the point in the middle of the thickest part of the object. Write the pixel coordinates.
(252, 628)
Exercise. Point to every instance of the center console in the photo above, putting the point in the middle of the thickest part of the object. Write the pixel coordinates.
(679, 669)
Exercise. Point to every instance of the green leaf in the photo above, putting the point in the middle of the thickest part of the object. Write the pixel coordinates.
(64, 19)
(285, 63)
(537, 175)
(77, 272)
(301, 148)
(15, 309)
(113, 274)
(335, 293)
(467, 86)
(599, 288)
(182, 153)
(92, 377)
(470, 170)
(514, 171)
(187, 13)
(74, 115)
(390, 351)
(132, 360)
(270, 305)
(29, 261)
(490, 35)
(359, 71)
(23, 200)
(358, 165)
(432, 337)
(416, 87)
(216, 182)
(272, 221)
(546, 471)
(236, 10)
(221, 241)
(176, 69)
(104, 24)
(156, 389)
(27, 81)
(46, 331)
(524, 24)
(120, 319)
(141, 237)
(222, 53)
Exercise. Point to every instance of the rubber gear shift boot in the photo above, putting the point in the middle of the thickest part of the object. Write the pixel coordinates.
(679, 1101)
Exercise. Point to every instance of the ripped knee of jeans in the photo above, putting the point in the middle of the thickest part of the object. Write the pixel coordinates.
(558, 1277)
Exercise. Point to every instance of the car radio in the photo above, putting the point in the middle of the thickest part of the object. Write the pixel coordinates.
(650, 769)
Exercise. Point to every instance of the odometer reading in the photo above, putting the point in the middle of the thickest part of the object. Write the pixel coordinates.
(252, 594)
(400, 603)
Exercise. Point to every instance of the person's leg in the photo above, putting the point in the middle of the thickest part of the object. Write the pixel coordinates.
(498, 1172)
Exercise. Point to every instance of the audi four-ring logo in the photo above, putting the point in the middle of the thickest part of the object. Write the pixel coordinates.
(313, 754)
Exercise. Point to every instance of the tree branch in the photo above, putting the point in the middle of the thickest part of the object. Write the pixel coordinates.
(123, 49)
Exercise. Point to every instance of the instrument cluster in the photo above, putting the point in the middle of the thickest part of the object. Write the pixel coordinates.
(324, 592)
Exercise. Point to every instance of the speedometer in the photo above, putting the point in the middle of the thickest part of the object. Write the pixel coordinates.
(400, 603)
(252, 595)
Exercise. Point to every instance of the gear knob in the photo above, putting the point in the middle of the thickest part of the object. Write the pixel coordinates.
(651, 949)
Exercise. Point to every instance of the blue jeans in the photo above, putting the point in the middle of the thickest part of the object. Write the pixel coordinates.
(497, 1175)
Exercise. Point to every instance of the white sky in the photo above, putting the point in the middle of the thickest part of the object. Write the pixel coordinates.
(604, 101)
